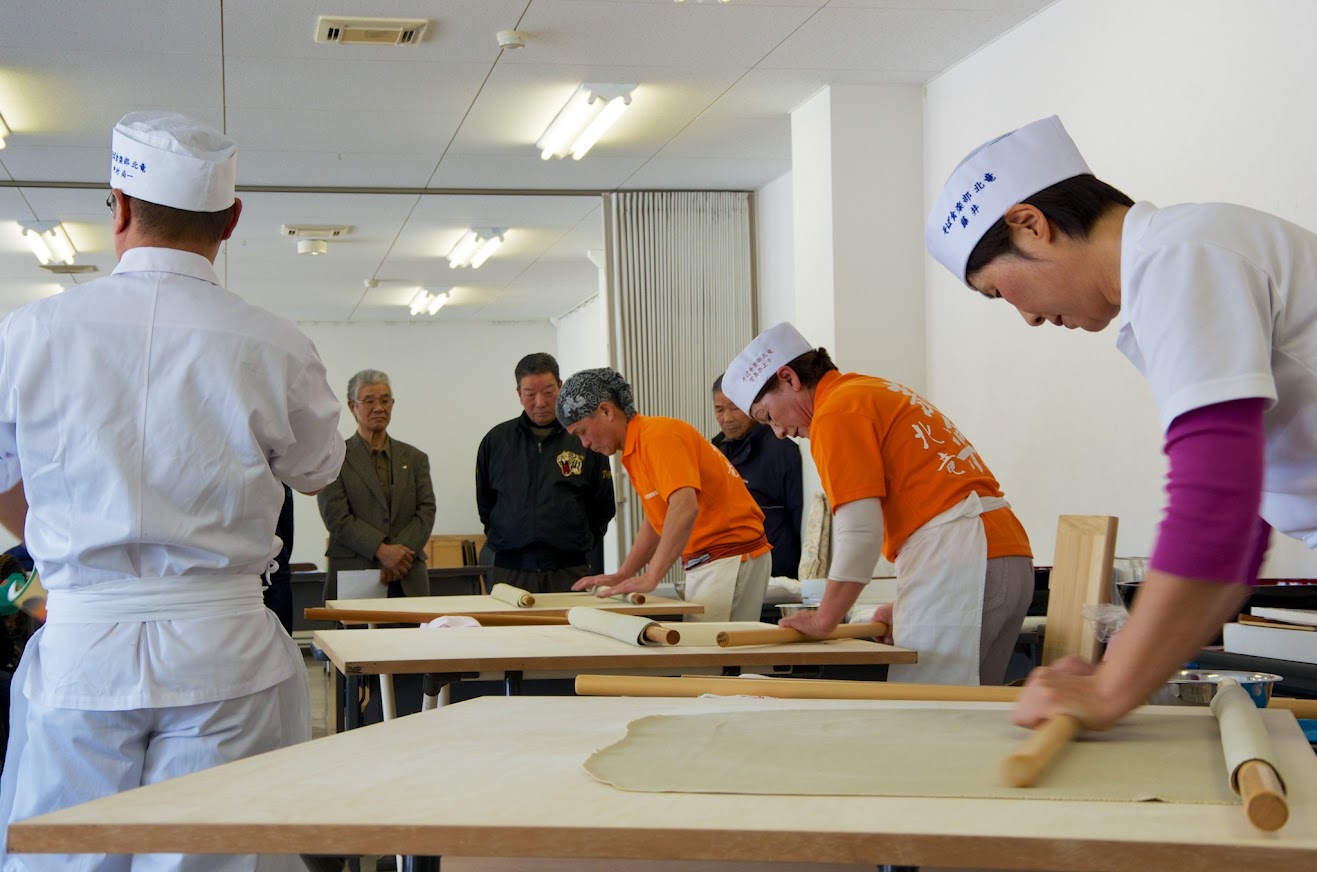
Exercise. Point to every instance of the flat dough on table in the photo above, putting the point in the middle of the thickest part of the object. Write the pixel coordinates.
(929, 752)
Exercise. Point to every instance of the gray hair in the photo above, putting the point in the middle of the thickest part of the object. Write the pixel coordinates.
(366, 377)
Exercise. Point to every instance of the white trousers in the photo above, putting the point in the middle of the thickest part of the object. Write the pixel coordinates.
(730, 589)
(71, 756)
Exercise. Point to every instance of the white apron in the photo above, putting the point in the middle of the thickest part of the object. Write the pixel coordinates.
(713, 585)
(216, 619)
(939, 596)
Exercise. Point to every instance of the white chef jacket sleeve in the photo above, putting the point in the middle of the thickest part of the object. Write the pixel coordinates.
(9, 470)
(314, 457)
(857, 533)
(1203, 319)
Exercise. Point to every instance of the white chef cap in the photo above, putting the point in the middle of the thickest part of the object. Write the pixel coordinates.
(173, 160)
(759, 361)
(994, 177)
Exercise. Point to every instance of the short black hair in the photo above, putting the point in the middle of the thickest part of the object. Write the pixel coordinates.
(178, 226)
(717, 385)
(810, 368)
(538, 363)
(1072, 206)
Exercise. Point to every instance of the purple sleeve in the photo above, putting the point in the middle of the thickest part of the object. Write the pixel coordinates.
(1211, 530)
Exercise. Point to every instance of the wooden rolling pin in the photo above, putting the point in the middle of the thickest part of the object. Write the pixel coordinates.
(372, 616)
(783, 635)
(812, 688)
(1021, 767)
(636, 599)
(784, 688)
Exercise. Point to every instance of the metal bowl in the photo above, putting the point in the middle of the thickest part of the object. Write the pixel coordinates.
(789, 609)
(1198, 686)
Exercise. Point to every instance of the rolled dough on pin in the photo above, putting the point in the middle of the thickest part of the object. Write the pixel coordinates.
(513, 596)
(1243, 735)
(624, 628)
(637, 599)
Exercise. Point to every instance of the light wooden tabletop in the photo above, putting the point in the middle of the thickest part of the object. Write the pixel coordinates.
(503, 777)
(505, 649)
(554, 604)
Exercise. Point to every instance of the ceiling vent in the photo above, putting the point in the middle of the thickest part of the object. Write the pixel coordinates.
(370, 31)
(314, 231)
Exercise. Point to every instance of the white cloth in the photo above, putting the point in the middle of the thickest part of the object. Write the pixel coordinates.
(993, 178)
(759, 361)
(151, 415)
(939, 599)
(1218, 304)
(170, 159)
(730, 589)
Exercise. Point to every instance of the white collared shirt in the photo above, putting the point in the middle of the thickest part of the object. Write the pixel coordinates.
(153, 415)
(1219, 303)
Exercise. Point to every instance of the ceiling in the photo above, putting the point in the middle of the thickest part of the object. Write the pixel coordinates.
(453, 114)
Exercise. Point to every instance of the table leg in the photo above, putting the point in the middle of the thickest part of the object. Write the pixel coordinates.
(512, 683)
(420, 864)
(352, 701)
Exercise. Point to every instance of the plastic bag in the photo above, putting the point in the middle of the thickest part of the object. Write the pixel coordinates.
(1106, 618)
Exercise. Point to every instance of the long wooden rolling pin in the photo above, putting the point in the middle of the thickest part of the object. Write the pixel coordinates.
(373, 616)
(813, 688)
(784, 635)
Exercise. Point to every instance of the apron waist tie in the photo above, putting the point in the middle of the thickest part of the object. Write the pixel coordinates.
(142, 600)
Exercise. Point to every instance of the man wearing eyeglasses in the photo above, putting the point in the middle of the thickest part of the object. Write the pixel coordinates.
(380, 510)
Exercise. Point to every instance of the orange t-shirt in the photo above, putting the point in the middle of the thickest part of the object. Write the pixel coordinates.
(664, 455)
(873, 438)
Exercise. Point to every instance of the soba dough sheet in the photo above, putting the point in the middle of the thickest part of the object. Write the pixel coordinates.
(931, 752)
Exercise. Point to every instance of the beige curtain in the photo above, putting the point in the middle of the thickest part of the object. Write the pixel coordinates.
(681, 292)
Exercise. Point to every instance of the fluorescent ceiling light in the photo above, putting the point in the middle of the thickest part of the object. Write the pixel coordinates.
(475, 247)
(586, 115)
(424, 301)
(4, 131)
(49, 241)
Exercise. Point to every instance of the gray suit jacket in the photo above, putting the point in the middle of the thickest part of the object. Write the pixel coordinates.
(359, 520)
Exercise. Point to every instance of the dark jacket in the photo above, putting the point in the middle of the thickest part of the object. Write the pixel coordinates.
(544, 505)
(771, 469)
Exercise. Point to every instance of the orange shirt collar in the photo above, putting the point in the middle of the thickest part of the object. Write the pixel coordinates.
(632, 435)
(825, 386)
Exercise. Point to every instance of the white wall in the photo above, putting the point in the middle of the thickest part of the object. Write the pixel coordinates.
(583, 344)
(1170, 101)
(452, 381)
(775, 258)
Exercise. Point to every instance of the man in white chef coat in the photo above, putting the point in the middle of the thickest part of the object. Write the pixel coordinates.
(152, 418)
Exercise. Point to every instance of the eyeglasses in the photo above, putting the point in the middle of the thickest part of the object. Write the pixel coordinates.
(383, 402)
(109, 201)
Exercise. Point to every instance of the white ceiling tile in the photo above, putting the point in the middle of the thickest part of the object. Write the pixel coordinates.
(716, 85)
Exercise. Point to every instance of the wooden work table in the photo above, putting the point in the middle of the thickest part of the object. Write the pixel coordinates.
(474, 780)
(486, 605)
(503, 649)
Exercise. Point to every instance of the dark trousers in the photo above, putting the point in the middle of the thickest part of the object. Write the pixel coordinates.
(552, 581)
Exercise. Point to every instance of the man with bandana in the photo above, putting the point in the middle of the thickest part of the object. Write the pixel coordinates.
(697, 509)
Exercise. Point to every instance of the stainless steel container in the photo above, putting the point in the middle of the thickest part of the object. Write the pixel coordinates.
(789, 609)
(1198, 686)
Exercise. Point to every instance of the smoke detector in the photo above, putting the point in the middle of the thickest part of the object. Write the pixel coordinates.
(313, 247)
(370, 31)
(511, 39)
(314, 231)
